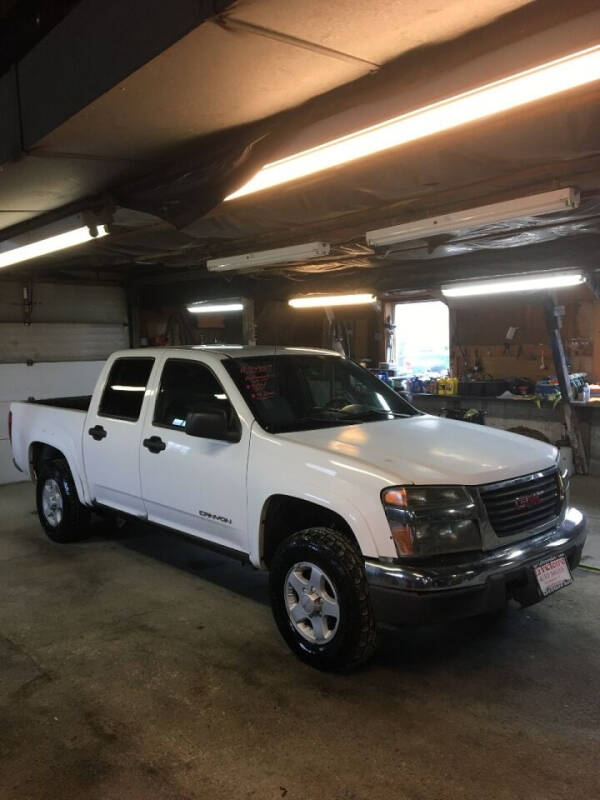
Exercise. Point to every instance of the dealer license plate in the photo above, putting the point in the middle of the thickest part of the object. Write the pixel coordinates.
(553, 575)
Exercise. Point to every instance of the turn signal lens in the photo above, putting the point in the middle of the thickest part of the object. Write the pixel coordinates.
(396, 501)
(395, 497)
(403, 539)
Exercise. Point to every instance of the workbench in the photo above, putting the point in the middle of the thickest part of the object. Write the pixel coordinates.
(508, 413)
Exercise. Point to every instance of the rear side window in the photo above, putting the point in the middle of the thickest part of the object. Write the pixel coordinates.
(124, 391)
(187, 387)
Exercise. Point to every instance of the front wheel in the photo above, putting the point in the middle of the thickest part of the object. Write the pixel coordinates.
(62, 516)
(320, 600)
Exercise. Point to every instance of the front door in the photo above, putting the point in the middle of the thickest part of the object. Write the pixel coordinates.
(189, 483)
(111, 439)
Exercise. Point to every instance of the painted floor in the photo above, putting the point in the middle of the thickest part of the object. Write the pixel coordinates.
(138, 665)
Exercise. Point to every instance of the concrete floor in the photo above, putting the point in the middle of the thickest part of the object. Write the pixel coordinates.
(137, 665)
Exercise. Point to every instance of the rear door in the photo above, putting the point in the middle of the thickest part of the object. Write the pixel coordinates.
(189, 483)
(111, 439)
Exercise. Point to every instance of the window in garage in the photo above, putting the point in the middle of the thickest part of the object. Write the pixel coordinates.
(422, 338)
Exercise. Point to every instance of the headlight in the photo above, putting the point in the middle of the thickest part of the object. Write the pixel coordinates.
(431, 520)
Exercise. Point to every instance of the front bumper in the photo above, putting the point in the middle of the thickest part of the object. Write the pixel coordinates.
(453, 586)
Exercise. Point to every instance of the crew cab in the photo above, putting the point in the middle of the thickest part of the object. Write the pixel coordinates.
(363, 509)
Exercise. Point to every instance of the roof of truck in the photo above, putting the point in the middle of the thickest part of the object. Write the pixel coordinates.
(240, 351)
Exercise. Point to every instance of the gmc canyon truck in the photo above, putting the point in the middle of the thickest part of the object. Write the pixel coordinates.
(362, 509)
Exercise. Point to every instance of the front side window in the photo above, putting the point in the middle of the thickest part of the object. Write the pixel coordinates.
(125, 388)
(187, 387)
(292, 393)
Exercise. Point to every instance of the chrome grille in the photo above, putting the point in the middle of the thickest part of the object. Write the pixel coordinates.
(520, 504)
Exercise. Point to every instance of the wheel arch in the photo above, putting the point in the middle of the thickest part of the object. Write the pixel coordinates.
(40, 452)
(284, 514)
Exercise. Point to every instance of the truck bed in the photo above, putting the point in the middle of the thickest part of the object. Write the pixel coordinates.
(59, 423)
(81, 403)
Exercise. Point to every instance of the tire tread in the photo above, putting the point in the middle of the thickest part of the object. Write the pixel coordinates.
(339, 548)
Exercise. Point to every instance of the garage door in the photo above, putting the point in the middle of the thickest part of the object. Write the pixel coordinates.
(73, 329)
(68, 322)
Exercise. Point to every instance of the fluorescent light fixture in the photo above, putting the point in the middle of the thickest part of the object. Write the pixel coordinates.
(119, 388)
(513, 91)
(521, 283)
(266, 258)
(205, 307)
(327, 301)
(532, 206)
(51, 244)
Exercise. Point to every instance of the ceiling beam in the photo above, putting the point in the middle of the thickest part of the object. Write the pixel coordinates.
(92, 49)
(229, 21)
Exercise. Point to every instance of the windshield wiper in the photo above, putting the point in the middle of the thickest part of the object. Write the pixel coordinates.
(381, 412)
(330, 415)
(340, 413)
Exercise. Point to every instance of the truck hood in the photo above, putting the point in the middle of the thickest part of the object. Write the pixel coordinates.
(427, 450)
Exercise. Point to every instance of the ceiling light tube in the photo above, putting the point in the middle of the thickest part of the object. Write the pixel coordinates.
(532, 206)
(218, 307)
(327, 301)
(51, 244)
(520, 283)
(264, 258)
(513, 91)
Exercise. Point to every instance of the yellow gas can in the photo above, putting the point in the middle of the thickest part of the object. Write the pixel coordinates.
(447, 385)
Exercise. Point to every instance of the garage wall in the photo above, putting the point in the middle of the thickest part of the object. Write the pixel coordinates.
(72, 330)
(69, 322)
(275, 323)
(480, 326)
(20, 382)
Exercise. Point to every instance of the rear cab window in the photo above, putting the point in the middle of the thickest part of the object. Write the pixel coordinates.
(125, 388)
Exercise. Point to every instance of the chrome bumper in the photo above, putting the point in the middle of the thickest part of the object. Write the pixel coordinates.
(452, 573)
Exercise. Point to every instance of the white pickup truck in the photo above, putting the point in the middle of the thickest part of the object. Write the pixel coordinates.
(362, 509)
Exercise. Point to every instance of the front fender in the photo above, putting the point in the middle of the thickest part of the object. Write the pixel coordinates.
(351, 515)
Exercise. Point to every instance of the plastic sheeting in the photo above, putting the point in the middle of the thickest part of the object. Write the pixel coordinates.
(533, 149)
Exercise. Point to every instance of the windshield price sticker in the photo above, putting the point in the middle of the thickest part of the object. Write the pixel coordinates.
(256, 378)
(553, 575)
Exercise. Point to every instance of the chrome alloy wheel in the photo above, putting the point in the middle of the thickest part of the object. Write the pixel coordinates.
(52, 503)
(311, 602)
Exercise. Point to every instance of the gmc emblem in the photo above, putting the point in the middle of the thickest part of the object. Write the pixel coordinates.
(528, 501)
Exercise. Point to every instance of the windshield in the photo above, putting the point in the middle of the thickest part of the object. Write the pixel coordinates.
(293, 393)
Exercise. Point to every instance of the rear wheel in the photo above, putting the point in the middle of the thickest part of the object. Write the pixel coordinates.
(62, 516)
(320, 600)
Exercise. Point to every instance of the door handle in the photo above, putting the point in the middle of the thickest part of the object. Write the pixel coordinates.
(155, 444)
(97, 432)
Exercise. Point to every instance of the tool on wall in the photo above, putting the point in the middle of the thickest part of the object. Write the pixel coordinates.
(338, 334)
(27, 302)
(509, 338)
(389, 330)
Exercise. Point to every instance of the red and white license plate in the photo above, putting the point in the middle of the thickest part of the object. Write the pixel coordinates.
(553, 575)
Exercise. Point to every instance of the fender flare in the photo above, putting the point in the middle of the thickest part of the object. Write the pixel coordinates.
(59, 446)
(352, 517)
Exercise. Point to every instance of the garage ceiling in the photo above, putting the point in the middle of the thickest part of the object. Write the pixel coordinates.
(199, 107)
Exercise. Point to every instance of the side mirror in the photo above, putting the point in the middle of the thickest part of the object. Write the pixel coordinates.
(212, 425)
